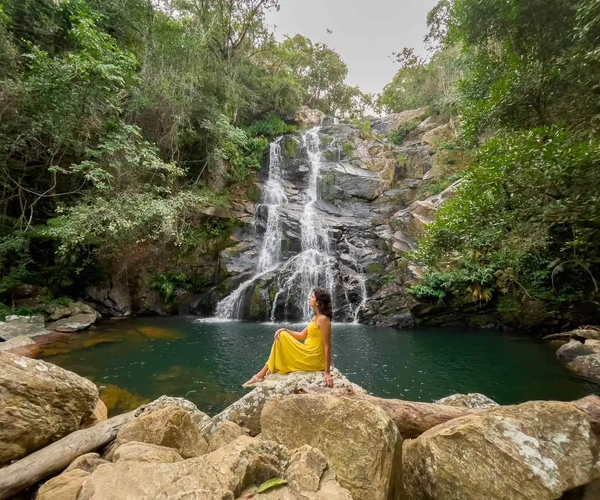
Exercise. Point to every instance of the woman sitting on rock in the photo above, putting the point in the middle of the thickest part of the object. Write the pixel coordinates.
(289, 354)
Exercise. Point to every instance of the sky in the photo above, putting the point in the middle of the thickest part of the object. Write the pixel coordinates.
(364, 32)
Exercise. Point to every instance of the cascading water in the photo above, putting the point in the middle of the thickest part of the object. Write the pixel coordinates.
(273, 198)
(313, 265)
(360, 279)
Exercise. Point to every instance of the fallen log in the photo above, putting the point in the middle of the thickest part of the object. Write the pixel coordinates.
(54, 458)
(411, 418)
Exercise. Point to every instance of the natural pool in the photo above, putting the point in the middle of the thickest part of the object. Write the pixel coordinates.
(139, 359)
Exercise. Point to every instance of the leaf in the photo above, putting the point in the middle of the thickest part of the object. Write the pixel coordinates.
(271, 483)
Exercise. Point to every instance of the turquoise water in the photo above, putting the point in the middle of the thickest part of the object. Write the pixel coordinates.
(143, 358)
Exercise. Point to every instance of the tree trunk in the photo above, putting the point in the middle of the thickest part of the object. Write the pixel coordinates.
(53, 459)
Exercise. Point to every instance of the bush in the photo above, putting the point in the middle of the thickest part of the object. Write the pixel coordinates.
(398, 136)
(528, 210)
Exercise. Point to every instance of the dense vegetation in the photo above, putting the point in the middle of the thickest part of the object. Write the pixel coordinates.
(524, 228)
(121, 119)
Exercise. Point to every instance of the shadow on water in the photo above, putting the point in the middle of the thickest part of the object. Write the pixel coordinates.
(140, 359)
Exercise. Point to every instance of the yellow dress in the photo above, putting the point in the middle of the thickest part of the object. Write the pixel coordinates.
(290, 355)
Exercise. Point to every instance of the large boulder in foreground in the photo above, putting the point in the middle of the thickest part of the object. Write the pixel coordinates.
(39, 404)
(171, 427)
(201, 419)
(223, 474)
(537, 450)
(360, 442)
(246, 411)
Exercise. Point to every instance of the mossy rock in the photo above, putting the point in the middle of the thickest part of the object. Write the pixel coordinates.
(331, 155)
(258, 305)
(326, 141)
(290, 148)
(374, 268)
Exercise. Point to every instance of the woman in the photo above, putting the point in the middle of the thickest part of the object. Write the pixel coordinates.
(289, 354)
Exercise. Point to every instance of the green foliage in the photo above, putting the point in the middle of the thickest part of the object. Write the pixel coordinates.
(422, 82)
(529, 63)
(270, 484)
(269, 129)
(322, 73)
(529, 211)
(348, 148)
(398, 136)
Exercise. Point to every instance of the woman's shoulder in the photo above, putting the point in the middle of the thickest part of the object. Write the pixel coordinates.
(322, 320)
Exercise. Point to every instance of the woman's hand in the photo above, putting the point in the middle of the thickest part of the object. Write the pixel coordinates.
(278, 332)
(328, 380)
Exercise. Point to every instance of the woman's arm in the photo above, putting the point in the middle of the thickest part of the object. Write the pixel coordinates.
(297, 335)
(325, 327)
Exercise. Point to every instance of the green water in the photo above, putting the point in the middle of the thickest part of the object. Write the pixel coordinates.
(207, 362)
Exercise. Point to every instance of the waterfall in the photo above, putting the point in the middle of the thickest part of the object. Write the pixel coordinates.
(296, 275)
(270, 253)
(360, 279)
(313, 266)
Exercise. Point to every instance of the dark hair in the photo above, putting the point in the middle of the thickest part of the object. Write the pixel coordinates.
(324, 301)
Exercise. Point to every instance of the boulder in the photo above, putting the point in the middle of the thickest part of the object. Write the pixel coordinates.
(306, 468)
(360, 441)
(535, 450)
(201, 419)
(22, 326)
(473, 400)
(393, 122)
(581, 334)
(171, 427)
(74, 323)
(437, 135)
(39, 403)
(309, 118)
(586, 366)
(222, 474)
(145, 452)
(88, 463)
(225, 433)
(64, 487)
(575, 348)
(345, 181)
(99, 414)
(23, 346)
(246, 411)
(302, 475)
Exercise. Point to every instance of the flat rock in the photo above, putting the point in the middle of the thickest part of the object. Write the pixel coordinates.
(537, 450)
(73, 323)
(246, 411)
(472, 400)
(22, 326)
(22, 345)
(39, 404)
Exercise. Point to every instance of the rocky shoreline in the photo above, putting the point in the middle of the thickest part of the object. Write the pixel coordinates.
(56, 443)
